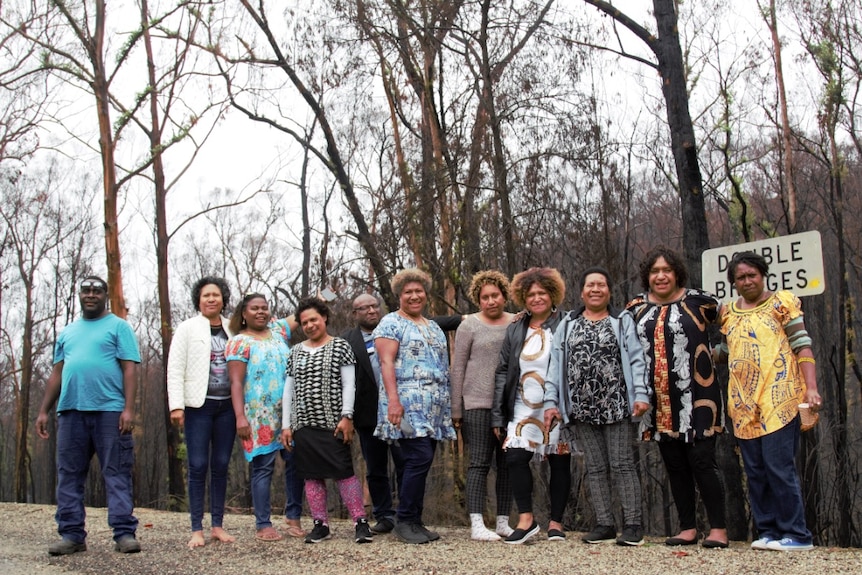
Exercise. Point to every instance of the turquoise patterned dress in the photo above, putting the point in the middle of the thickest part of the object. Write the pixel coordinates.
(266, 368)
(422, 378)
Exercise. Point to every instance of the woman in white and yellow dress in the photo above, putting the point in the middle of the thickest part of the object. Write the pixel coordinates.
(518, 412)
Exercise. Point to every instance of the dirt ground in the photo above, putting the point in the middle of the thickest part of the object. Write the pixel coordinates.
(26, 530)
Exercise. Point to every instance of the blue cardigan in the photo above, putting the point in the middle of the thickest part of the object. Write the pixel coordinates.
(631, 354)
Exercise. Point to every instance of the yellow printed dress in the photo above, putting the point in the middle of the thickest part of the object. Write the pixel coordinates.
(766, 385)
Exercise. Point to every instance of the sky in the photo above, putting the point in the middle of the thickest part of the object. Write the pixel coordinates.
(244, 156)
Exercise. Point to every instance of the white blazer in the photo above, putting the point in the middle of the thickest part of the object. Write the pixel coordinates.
(189, 362)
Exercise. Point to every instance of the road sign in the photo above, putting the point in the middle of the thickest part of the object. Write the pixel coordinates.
(795, 264)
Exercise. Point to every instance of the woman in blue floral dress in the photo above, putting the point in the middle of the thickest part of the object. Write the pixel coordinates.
(414, 406)
(257, 365)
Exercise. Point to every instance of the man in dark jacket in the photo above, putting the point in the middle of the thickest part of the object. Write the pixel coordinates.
(366, 314)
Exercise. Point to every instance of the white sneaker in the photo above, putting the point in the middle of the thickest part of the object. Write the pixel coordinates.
(761, 544)
(789, 544)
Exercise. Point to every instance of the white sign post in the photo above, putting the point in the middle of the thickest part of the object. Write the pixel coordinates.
(795, 264)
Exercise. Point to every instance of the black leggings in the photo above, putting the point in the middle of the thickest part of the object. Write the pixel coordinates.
(687, 464)
(521, 479)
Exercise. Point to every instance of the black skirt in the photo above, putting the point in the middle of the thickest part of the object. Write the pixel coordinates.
(320, 455)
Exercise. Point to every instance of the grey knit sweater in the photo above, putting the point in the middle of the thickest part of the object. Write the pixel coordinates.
(477, 351)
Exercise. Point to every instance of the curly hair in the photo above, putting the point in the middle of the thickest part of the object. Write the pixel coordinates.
(237, 322)
(549, 278)
(220, 283)
(488, 277)
(410, 275)
(752, 259)
(673, 259)
(312, 303)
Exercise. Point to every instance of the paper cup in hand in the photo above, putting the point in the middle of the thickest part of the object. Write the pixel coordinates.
(808, 416)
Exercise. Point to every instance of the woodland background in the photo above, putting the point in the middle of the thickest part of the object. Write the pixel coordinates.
(452, 135)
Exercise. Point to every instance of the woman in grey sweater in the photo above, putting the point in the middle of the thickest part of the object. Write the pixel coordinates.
(477, 350)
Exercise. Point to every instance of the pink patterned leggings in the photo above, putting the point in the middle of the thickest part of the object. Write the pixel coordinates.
(351, 495)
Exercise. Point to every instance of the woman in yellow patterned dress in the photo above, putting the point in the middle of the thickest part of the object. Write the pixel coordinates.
(772, 371)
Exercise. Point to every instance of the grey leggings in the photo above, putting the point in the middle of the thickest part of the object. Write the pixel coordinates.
(608, 454)
(484, 447)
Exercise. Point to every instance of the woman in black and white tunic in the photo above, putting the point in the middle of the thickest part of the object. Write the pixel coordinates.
(318, 419)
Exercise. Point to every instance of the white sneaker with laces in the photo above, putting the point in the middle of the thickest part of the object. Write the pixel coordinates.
(761, 544)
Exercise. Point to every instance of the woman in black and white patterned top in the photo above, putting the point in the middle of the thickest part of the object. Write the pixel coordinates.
(598, 363)
(318, 419)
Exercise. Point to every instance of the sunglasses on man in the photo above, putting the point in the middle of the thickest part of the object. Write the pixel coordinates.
(92, 286)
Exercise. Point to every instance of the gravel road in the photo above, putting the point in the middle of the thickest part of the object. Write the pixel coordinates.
(26, 530)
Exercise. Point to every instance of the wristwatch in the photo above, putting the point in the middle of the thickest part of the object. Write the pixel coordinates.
(348, 416)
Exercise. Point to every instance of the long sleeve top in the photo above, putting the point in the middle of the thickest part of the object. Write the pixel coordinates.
(477, 351)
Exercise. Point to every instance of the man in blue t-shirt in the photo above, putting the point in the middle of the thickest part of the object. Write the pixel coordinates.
(95, 360)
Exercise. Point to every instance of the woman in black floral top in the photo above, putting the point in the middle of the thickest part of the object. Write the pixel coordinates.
(687, 413)
(597, 357)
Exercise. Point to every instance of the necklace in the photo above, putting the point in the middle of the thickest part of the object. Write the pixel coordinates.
(591, 316)
(413, 319)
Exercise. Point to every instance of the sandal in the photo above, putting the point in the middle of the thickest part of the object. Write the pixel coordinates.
(267, 534)
(294, 528)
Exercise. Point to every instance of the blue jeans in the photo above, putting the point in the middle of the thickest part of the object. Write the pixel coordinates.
(293, 487)
(773, 485)
(262, 467)
(80, 434)
(376, 452)
(418, 456)
(210, 433)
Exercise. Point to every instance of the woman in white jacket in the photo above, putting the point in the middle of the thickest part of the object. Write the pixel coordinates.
(199, 399)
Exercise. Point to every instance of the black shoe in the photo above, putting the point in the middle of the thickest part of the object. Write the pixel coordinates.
(600, 534)
(127, 544)
(431, 535)
(410, 533)
(520, 536)
(66, 547)
(632, 535)
(383, 525)
(556, 535)
(319, 533)
(363, 531)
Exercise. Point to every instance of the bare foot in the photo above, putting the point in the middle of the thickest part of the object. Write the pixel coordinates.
(219, 534)
(197, 539)
(555, 525)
